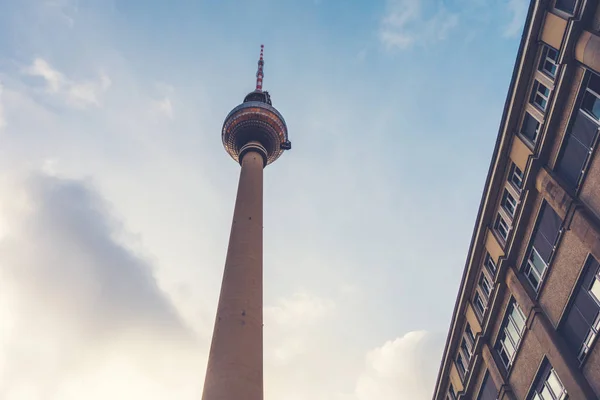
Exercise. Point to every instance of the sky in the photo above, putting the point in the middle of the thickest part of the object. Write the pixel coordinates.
(116, 195)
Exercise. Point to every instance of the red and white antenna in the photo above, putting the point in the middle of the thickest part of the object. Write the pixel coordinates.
(260, 74)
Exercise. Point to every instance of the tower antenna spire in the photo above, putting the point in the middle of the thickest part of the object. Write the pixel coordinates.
(260, 74)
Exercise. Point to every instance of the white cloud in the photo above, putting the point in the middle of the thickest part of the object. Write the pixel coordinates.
(518, 11)
(405, 24)
(84, 314)
(289, 322)
(54, 79)
(165, 107)
(76, 94)
(301, 309)
(404, 368)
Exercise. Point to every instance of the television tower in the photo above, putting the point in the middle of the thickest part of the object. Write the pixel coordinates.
(254, 134)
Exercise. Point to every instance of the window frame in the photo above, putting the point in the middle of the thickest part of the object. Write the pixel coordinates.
(461, 366)
(565, 12)
(593, 329)
(528, 265)
(535, 92)
(531, 142)
(487, 288)
(544, 58)
(481, 313)
(506, 195)
(587, 90)
(529, 268)
(512, 174)
(486, 378)
(502, 218)
(505, 333)
(490, 266)
(451, 395)
(583, 89)
(542, 387)
(470, 336)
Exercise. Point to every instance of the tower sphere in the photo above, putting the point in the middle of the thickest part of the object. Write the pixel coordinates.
(256, 124)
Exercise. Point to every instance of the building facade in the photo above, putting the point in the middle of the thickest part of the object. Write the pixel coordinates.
(526, 320)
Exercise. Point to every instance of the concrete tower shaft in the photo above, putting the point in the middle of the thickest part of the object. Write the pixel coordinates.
(254, 134)
(235, 366)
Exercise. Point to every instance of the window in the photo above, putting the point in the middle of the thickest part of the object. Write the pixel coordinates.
(535, 269)
(530, 128)
(579, 140)
(548, 385)
(591, 98)
(466, 351)
(462, 367)
(515, 176)
(479, 305)
(545, 237)
(511, 334)
(548, 61)
(451, 393)
(567, 6)
(502, 227)
(470, 337)
(509, 203)
(486, 287)
(539, 95)
(488, 389)
(489, 264)
(582, 322)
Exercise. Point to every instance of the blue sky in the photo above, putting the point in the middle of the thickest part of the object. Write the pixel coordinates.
(110, 116)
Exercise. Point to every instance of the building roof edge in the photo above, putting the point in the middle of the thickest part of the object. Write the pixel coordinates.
(486, 191)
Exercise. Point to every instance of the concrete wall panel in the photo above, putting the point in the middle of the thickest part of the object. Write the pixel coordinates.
(562, 276)
(493, 247)
(526, 365)
(590, 190)
(520, 153)
(553, 30)
(591, 369)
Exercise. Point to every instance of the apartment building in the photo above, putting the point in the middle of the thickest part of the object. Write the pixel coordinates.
(526, 320)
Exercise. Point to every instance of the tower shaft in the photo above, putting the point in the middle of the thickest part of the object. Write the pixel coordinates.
(235, 364)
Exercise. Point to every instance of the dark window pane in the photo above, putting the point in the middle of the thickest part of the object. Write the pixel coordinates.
(516, 176)
(584, 129)
(567, 6)
(539, 95)
(479, 306)
(550, 67)
(503, 356)
(469, 335)
(544, 248)
(501, 227)
(587, 306)
(592, 269)
(594, 83)
(582, 312)
(451, 393)
(460, 365)
(530, 127)
(575, 330)
(488, 389)
(548, 60)
(571, 162)
(489, 263)
(591, 104)
(547, 232)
